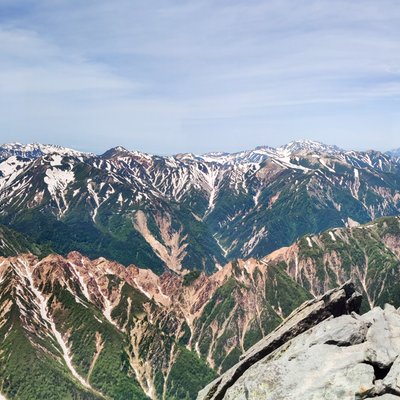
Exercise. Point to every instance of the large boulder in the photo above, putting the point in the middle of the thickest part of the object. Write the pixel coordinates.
(324, 350)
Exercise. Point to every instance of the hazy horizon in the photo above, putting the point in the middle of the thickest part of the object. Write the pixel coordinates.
(203, 76)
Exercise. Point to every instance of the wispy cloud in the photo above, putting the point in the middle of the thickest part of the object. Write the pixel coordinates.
(164, 76)
(29, 64)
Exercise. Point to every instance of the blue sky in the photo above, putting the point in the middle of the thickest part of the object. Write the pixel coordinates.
(202, 75)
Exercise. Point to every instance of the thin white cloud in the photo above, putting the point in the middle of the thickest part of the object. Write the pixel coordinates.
(29, 64)
(172, 69)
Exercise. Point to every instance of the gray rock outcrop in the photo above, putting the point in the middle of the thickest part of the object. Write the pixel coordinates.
(324, 350)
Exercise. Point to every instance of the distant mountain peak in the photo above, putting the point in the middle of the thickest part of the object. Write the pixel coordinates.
(35, 150)
(307, 145)
(394, 152)
(261, 153)
(115, 151)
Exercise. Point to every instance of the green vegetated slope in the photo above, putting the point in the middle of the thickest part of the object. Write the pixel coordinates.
(31, 365)
(368, 254)
(95, 329)
(292, 203)
(97, 214)
(102, 352)
(249, 304)
(13, 243)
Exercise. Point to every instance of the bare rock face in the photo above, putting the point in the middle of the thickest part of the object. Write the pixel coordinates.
(318, 352)
(328, 354)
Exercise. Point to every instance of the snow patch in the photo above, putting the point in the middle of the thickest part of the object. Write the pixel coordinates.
(56, 160)
(224, 251)
(57, 181)
(286, 163)
(256, 197)
(9, 170)
(322, 161)
(211, 179)
(253, 242)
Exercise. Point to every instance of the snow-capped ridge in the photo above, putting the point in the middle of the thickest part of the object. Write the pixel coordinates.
(115, 152)
(306, 146)
(36, 150)
(394, 153)
(262, 153)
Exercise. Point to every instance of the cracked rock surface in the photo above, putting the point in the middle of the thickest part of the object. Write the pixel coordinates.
(341, 356)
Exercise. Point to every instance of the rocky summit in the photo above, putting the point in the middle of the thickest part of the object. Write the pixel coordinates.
(323, 350)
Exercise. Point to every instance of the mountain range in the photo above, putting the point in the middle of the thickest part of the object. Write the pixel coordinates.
(98, 329)
(132, 276)
(189, 212)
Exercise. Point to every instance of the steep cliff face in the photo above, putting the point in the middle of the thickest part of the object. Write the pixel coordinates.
(102, 330)
(320, 352)
(368, 255)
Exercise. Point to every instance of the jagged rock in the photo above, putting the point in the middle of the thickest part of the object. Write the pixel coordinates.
(392, 380)
(346, 357)
(332, 304)
(383, 337)
(308, 368)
